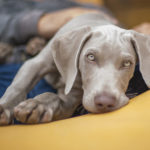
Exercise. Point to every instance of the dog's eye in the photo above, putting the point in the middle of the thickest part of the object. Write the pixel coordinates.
(127, 64)
(91, 57)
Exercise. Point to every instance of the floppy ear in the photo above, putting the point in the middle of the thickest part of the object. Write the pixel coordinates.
(66, 49)
(141, 44)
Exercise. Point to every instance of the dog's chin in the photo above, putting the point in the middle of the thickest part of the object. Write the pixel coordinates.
(93, 109)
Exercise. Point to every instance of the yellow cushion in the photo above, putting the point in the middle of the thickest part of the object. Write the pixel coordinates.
(124, 129)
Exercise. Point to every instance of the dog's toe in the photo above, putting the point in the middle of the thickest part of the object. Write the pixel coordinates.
(6, 116)
(31, 111)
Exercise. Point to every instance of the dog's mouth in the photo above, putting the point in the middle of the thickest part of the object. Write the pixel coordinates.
(132, 91)
(107, 110)
(82, 111)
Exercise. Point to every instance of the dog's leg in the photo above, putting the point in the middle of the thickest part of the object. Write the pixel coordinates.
(47, 107)
(29, 74)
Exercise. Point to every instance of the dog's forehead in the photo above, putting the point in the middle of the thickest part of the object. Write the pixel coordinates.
(109, 34)
(108, 38)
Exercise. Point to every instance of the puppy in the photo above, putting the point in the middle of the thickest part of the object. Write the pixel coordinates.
(90, 61)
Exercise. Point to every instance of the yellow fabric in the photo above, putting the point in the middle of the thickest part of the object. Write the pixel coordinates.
(124, 129)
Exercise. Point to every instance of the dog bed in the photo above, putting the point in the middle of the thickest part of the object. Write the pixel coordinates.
(125, 129)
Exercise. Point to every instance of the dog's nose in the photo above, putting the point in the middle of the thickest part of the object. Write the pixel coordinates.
(105, 101)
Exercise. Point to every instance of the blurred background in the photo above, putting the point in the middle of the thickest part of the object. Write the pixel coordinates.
(128, 12)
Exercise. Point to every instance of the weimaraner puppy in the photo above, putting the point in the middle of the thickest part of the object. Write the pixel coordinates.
(90, 61)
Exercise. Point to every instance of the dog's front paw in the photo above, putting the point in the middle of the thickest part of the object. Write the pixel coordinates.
(32, 111)
(6, 116)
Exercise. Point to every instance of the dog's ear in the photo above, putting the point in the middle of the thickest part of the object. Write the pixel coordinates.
(141, 44)
(66, 49)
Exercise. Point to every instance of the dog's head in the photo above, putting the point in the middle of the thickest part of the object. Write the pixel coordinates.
(106, 57)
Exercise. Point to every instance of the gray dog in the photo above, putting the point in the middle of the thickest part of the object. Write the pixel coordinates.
(89, 61)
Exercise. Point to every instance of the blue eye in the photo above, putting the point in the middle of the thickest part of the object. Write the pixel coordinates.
(91, 57)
